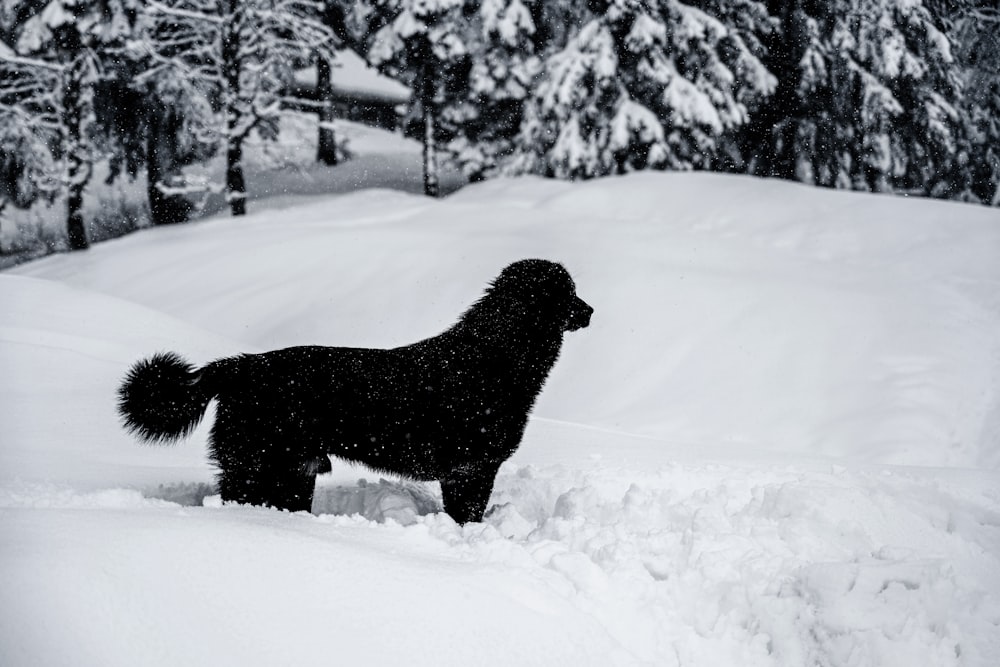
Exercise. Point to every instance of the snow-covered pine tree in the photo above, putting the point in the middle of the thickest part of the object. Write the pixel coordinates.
(556, 23)
(420, 42)
(157, 126)
(867, 98)
(47, 81)
(241, 52)
(646, 84)
(975, 27)
(487, 117)
(29, 128)
(750, 25)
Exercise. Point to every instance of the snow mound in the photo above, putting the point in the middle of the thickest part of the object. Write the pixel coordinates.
(689, 564)
(761, 566)
(776, 445)
(63, 351)
(762, 315)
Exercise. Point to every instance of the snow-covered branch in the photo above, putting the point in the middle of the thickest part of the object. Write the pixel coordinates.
(22, 61)
(179, 12)
(192, 186)
(239, 55)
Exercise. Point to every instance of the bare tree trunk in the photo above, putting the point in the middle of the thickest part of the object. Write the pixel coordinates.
(74, 215)
(236, 191)
(235, 184)
(327, 145)
(432, 186)
(78, 161)
(154, 174)
(162, 124)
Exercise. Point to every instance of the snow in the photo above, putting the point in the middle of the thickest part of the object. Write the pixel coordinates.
(352, 75)
(690, 105)
(633, 118)
(509, 21)
(777, 443)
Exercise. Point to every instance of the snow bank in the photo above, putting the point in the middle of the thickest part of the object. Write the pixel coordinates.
(690, 565)
(759, 314)
(63, 351)
(775, 445)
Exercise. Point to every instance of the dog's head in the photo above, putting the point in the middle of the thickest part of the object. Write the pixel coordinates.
(545, 288)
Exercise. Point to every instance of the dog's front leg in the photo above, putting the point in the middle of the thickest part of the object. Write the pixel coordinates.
(466, 492)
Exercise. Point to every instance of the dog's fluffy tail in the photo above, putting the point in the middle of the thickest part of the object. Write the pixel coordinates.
(163, 398)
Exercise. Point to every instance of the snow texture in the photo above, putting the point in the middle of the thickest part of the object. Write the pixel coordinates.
(775, 445)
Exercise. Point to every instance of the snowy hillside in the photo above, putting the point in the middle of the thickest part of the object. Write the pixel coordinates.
(777, 444)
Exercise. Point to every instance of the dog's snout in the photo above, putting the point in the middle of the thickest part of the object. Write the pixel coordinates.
(580, 315)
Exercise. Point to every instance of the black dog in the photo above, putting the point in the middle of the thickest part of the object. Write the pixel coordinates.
(451, 408)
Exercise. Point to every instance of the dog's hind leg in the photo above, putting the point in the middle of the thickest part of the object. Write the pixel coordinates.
(466, 492)
(237, 457)
(291, 490)
(258, 469)
(270, 483)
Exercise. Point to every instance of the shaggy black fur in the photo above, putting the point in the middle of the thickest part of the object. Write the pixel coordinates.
(449, 408)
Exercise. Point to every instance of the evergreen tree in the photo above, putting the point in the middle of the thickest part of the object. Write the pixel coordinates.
(420, 42)
(867, 98)
(156, 125)
(556, 23)
(975, 27)
(241, 53)
(486, 117)
(647, 84)
(46, 84)
(29, 128)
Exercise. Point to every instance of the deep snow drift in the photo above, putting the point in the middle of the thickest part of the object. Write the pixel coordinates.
(777, 444)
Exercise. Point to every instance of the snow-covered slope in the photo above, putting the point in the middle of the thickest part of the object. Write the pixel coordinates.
(729, 310)
(777, 444)
(351, 75)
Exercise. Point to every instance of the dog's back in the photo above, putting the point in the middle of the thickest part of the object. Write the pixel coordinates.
(419, 410)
